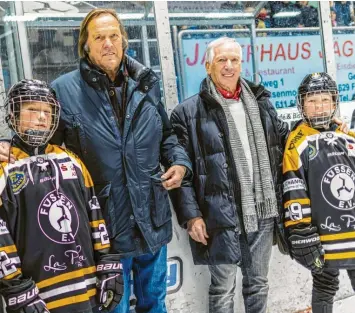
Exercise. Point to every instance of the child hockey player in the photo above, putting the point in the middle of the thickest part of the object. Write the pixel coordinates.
(319, 186)
(53, 239)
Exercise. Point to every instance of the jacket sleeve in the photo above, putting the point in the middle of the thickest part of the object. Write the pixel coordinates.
(296, 199)
(184, 198)
(58, 136)
(282, 127)
(171, 151)
(99, 235)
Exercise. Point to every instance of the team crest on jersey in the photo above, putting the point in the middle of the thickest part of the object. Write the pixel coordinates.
(338, 187)
(18, 181)
(58, 218)
(312, 151)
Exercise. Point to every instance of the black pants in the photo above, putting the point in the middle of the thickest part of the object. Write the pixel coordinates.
(325, 286)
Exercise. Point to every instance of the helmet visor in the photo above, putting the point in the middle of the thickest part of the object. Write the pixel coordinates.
(318, 107)
(34, 118)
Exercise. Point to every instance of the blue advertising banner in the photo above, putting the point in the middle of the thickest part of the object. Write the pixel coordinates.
(283, 62)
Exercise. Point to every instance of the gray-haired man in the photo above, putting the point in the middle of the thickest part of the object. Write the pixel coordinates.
(232, 132)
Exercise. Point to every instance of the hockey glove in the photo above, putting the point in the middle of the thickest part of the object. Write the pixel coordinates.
(110, 285)
(24, 298)
(307, 249)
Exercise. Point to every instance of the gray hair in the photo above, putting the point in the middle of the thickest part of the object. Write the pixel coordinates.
(215, 43)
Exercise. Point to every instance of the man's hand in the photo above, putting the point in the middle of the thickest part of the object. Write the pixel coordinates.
(173, 177)
(4, 152)
(343, 127)
(196, 228)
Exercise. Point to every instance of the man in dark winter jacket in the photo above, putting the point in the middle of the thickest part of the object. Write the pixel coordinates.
(113, 118)
(232, 133)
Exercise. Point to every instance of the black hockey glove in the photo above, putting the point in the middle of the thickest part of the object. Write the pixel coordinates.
(307, 249)
(23, 298)
(110, 285)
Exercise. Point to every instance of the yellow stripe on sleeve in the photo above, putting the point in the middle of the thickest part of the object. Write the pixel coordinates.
(96, 223)
(306, 220)
(18, 272)
(304, 201)
(9, 249)
(100, 246)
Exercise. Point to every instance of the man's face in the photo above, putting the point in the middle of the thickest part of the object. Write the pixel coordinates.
(318, 105)
(105, 43)
(35, 115)
(226, 66)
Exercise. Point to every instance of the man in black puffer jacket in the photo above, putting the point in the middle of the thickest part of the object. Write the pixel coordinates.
(232, 134)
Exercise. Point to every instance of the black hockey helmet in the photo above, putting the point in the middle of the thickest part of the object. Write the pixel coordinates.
(318, 83)
(26, 91)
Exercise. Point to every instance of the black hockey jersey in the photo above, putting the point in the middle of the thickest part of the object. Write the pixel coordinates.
(51, 227)
(319, 189)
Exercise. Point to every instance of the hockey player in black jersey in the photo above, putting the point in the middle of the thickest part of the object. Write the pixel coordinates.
(319, 191)
(53, 240)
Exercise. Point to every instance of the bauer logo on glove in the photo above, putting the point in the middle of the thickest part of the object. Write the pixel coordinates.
(110, 282)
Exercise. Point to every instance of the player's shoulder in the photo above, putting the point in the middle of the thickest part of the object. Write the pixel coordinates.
(62, 152)
(21, 159)
(298, 137)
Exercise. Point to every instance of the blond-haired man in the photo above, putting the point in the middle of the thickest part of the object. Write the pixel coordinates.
(113, 118)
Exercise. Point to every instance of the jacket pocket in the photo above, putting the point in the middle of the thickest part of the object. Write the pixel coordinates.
(160, 207)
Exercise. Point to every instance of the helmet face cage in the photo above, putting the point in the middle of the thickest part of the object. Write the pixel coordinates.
(322, 110)
(39, 122)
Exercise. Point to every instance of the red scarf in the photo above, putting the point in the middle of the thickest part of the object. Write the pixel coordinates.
(228, 95)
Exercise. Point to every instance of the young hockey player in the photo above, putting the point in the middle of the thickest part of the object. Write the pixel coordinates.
(319, 186)
(53, 239)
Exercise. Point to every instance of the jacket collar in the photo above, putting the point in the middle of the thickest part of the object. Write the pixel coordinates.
(130, 69)
(228, 95)
(205, 94)
(95, 77)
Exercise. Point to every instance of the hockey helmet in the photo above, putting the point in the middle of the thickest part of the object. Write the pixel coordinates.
(325, 99)
(42, 108)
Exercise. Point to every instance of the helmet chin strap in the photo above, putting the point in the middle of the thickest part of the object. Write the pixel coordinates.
(35, 137)
(321, 122)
